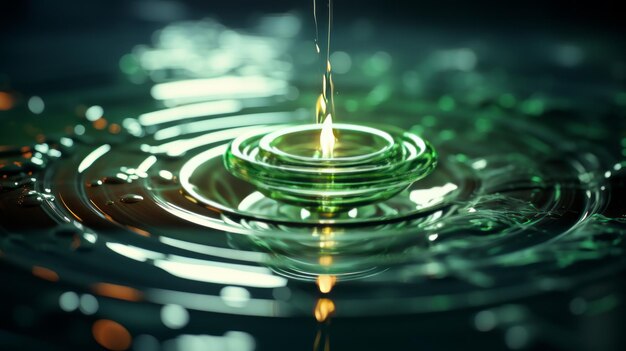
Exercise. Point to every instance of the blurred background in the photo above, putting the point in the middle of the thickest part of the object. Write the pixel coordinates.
(57, 42)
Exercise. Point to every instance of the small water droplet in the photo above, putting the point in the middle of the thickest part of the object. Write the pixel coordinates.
(30, 199)
(8, 184)
(110, 202)
(116, 179)
(165, 177)
(15, 182)
(95, 183)
(131, 198)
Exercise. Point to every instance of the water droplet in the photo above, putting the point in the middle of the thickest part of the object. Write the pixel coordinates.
(95, 183)
(116, 179)
(15, 182)
(6, 184)
(165, 177)
(131, 198)
(110, 202)
(30, 199)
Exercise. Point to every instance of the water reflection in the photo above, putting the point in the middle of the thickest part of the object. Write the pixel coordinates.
(516, 208)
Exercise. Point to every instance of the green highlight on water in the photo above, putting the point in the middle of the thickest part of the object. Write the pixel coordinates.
(369, 165)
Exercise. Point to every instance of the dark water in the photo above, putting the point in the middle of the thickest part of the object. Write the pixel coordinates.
(120, 223)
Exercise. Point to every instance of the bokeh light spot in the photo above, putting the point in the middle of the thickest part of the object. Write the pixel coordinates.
(111, 335)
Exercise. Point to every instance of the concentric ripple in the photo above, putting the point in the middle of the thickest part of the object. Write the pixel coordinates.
(143, 215)
(370, 165)
(168, 211)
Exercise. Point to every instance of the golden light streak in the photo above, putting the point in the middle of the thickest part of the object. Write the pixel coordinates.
(326, 260)
(138, 231)
(68, 208)
(104, 214)
(327, 138)
(327, 238)
(324, 309)
(326, 282)
(320, 109)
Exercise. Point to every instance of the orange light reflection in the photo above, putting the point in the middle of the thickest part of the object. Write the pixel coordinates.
(45, 273)
(100, 123)
(116, 291)
(326, 282)
(6, 101)
(111, 335)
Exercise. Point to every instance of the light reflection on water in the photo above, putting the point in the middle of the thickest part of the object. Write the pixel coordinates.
(512, 200)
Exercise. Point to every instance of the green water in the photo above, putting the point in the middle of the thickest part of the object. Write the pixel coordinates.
(525, 200)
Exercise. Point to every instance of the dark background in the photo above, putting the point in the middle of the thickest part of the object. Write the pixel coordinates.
(53, 41)
(584, 14)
